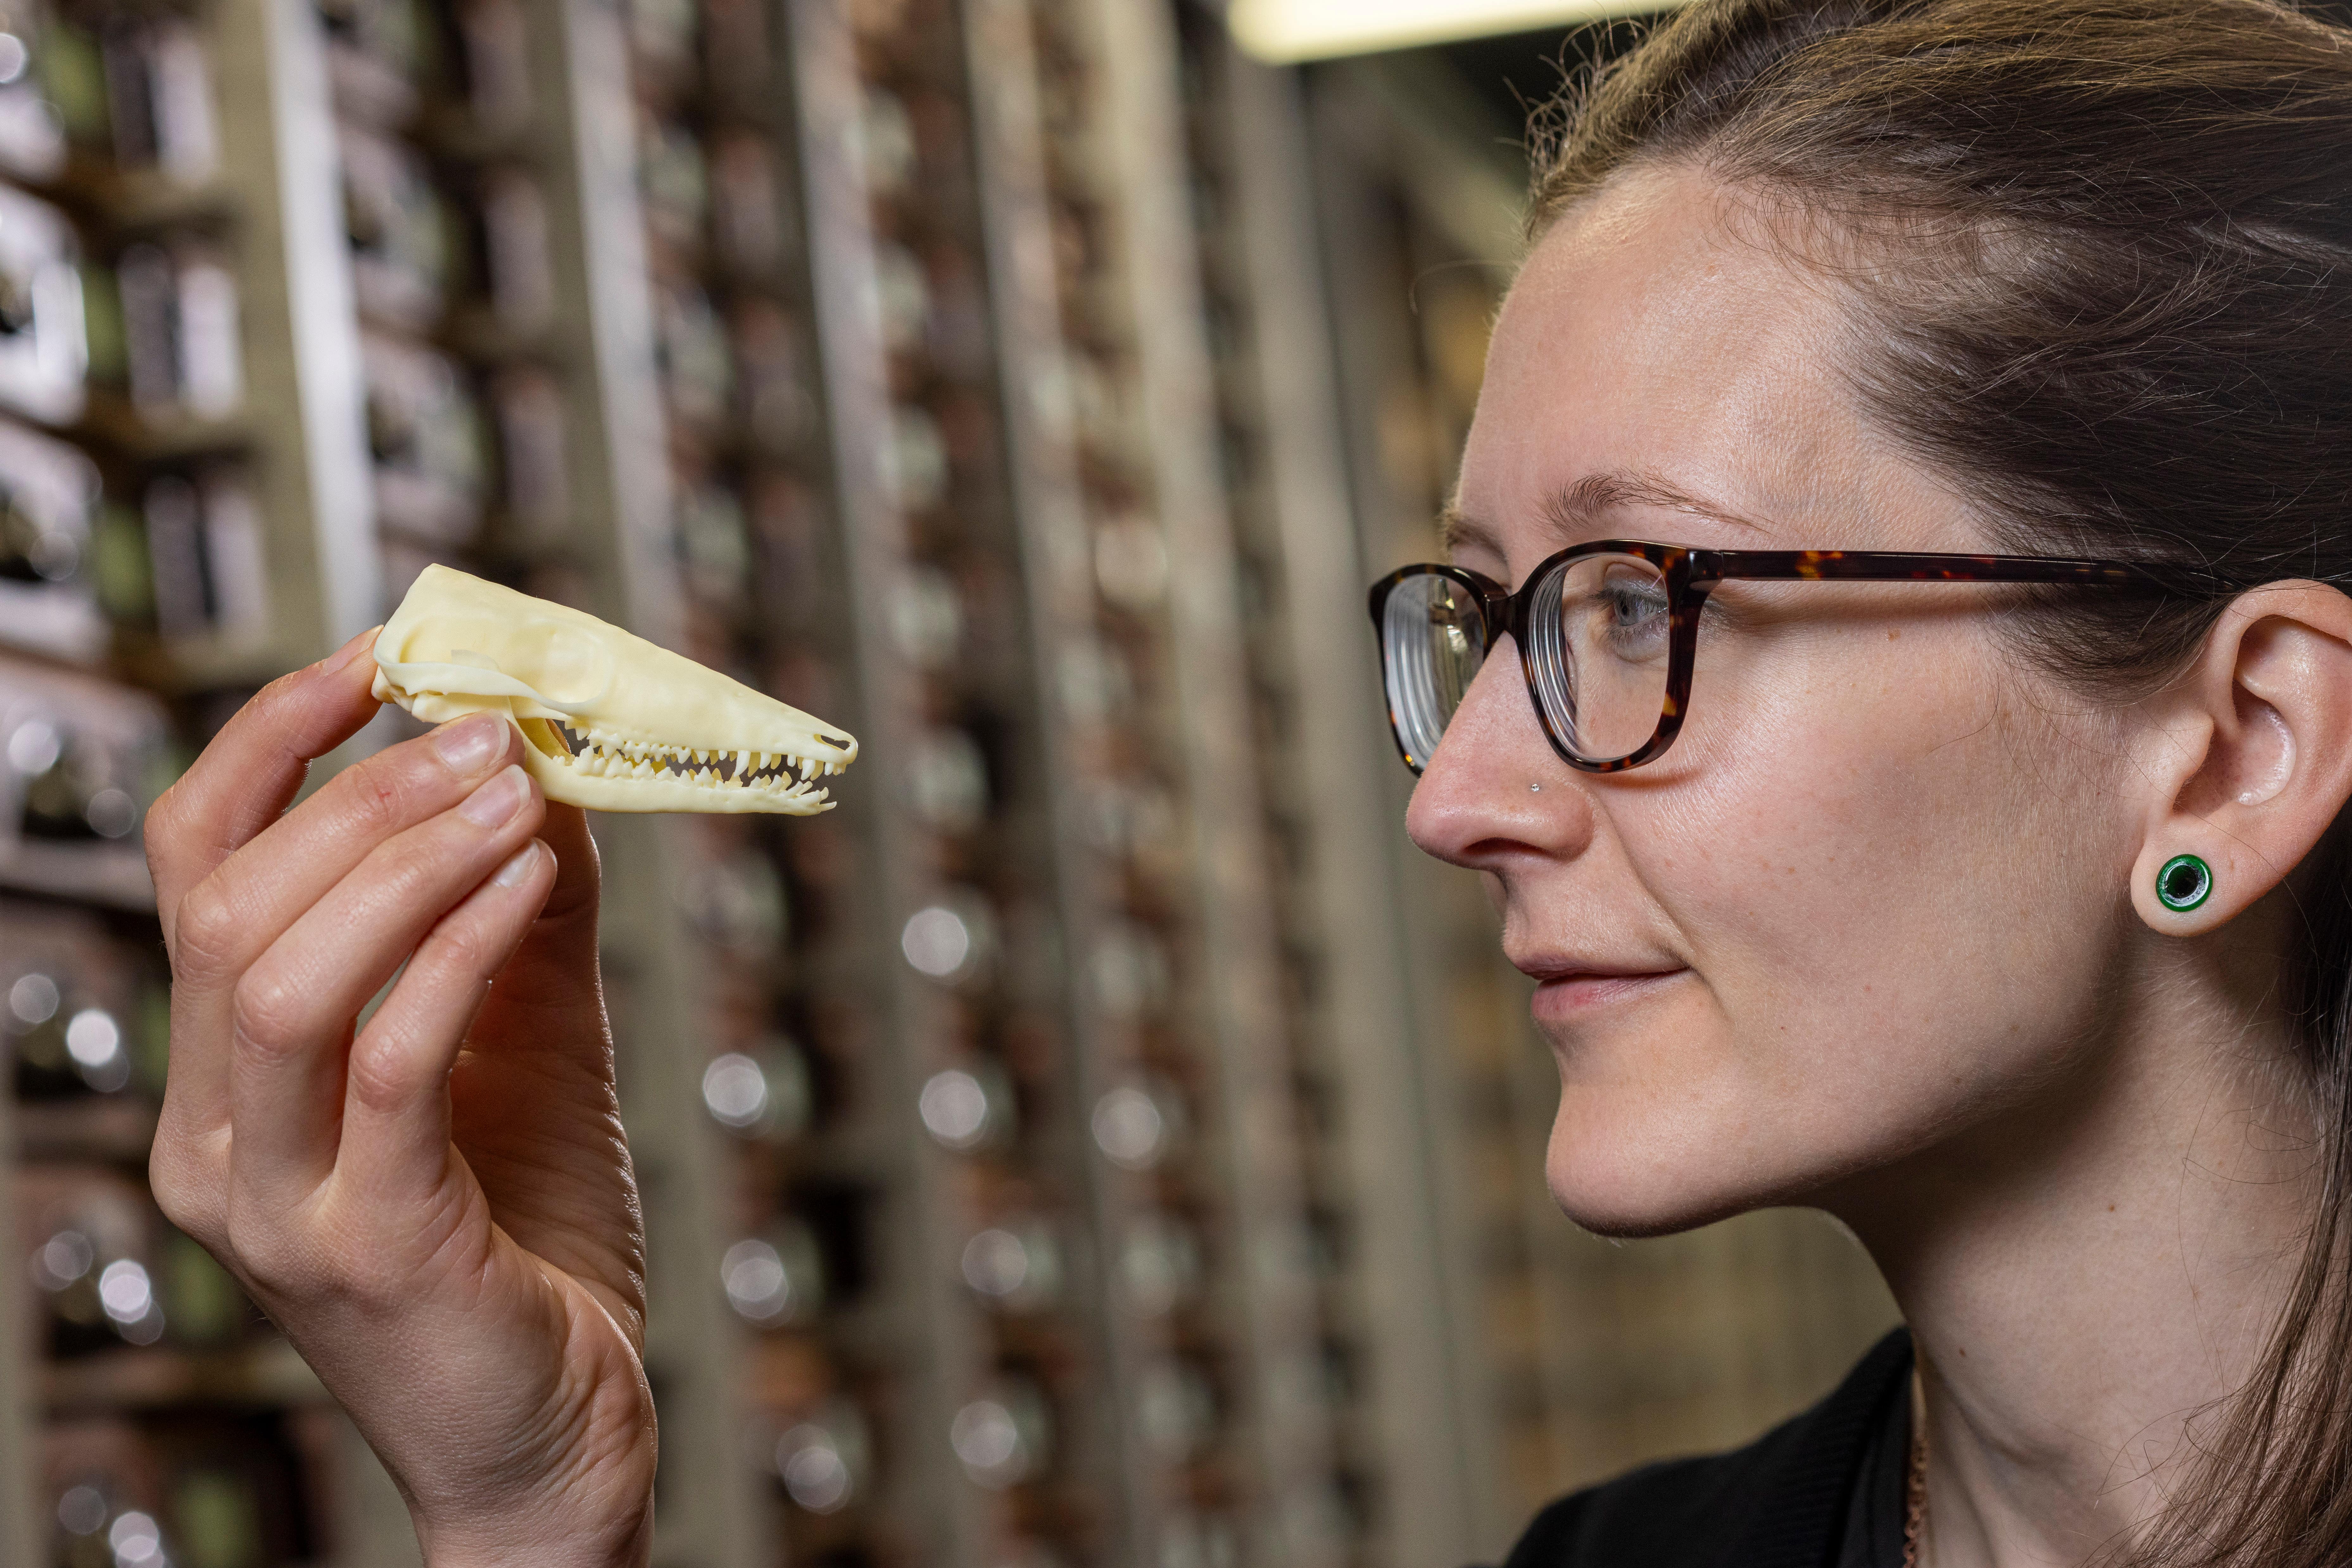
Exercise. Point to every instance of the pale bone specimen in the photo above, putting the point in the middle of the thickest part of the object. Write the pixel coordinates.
(613, 722)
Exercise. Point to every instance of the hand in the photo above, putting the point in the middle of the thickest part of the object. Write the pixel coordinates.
(439, 1211)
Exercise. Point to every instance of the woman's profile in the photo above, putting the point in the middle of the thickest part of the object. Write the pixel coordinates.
(1893, 672)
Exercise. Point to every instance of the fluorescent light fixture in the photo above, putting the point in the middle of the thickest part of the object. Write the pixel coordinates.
(1282, 31)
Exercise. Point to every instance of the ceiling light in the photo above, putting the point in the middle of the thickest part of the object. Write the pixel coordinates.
(1287, 30)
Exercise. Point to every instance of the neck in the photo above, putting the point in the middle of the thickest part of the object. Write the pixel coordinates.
(2089, 1274)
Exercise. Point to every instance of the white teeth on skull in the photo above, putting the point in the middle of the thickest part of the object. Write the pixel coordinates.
(794, 778)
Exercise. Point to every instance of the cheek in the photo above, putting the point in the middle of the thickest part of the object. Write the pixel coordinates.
(1840, 835)
(1892, 890)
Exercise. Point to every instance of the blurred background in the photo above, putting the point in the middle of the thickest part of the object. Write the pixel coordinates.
(1101, 1141)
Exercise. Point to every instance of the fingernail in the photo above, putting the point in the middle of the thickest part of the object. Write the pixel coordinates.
(519, 864)
(468, 744)
(353, 651)
(496, 802)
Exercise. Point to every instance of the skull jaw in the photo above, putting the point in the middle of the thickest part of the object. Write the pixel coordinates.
(543, 758)
(604, 792)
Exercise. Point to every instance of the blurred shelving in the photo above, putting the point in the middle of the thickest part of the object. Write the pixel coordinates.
(145, 1405)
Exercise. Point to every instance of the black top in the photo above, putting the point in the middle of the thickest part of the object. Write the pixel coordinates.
(1824, 1489)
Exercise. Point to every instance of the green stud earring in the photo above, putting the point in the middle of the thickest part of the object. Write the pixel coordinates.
(2184, 883)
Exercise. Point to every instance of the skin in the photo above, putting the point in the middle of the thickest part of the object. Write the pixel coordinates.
(438, 1208)
(1878, 934)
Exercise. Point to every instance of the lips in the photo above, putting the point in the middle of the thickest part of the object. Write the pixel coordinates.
(1549, 966)
(1568, 985)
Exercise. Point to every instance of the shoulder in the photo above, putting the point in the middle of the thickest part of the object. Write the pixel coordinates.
(1779, 1502)
(1669, 1515)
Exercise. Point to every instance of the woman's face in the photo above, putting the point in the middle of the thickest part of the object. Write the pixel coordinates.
(1860, 908)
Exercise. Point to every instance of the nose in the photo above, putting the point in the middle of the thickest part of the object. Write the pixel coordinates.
(1496, 794)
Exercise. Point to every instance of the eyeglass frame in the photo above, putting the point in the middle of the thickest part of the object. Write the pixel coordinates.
(1691, 574)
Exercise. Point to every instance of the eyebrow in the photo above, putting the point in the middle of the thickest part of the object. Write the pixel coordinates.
(1575, 507)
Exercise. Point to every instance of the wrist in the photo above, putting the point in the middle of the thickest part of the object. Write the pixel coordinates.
(561, 1537)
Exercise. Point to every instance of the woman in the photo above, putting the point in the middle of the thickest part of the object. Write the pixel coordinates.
(1977, 881)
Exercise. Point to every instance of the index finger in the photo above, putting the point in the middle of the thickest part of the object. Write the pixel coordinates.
(250, 772)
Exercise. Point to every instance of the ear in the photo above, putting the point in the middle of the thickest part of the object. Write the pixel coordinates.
(2254, 760)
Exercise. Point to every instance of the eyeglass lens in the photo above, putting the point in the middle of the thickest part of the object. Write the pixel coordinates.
(1432, 640)
(1599, 631)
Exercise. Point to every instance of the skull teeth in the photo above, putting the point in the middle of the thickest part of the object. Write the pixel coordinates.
(786, 775)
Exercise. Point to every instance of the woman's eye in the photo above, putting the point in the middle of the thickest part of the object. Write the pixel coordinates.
(1634, 610)
(1631, 605)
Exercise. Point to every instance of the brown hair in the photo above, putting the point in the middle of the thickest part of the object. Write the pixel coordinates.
(2110, 296)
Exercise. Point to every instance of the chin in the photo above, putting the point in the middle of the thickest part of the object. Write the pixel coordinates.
(1634, 1170)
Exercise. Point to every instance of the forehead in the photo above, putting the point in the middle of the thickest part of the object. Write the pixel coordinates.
(1656, 332)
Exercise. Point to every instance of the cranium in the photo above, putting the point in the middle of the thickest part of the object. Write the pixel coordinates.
(613, 721)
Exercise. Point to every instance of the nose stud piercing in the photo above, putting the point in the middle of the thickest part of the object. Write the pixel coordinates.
(1535, 789)
(2184, 883)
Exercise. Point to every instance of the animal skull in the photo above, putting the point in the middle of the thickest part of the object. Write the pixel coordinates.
(613, 722)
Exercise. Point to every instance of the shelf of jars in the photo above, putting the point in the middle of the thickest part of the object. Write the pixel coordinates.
(151, 1411)
(444, 218)
(121, 348)
(993, 943)
(369, 257)
(924, 973)
(169, 1414)
(1210, 1341)
(771, 921)
(608, 412)
(1398, 1375)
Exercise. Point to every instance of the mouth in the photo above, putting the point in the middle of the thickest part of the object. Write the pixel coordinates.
(784, 777)
(1565, 993)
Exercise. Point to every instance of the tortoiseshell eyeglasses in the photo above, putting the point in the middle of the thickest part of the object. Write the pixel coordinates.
(1608, 632)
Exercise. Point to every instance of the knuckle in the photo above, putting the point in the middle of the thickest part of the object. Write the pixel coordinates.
(209, 932)
(403, 870)
(271, 1014)
(171, 1193)
(187, 1194)
(303, 1267)
(377, 796)
(271, 1253)
(380, 1076)
(461, 951)
(160, 829)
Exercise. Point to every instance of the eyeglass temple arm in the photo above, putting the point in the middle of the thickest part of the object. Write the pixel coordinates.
(1899, 567)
